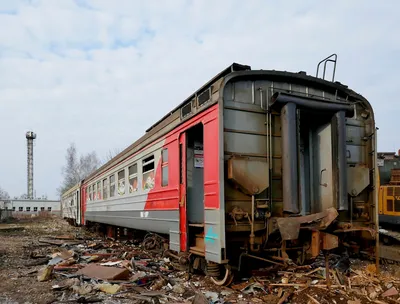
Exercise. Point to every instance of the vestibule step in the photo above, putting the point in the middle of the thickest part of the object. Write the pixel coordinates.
(196, 225)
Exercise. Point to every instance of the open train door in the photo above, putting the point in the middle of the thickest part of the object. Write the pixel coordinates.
(182, 193)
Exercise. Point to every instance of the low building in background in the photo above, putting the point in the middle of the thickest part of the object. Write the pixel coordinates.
(33, 206)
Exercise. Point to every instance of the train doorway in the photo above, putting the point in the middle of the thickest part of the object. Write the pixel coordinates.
(317, 148)
(192, 190)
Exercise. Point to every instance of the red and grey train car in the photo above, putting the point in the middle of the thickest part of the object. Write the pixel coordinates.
(270, 162)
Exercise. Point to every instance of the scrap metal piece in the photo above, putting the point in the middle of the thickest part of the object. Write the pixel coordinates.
(329, 241)
(321, 240)
(104, 272)
(289, 227)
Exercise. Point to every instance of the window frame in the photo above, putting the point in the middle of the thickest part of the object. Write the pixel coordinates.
(132, 176)
(105, 189)
(112, 183)
(148, 160)
(164, 164)
(94, 191)
(99, 190)
(124, 182)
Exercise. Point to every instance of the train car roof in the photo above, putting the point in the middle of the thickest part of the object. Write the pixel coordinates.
(235, 70)
(70, 190)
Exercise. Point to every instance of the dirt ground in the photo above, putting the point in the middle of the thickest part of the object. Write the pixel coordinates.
(19, 283)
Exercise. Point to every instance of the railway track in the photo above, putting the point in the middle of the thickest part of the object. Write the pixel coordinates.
(389, 247)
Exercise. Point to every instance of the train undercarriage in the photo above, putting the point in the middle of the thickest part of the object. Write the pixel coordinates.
(293, 241)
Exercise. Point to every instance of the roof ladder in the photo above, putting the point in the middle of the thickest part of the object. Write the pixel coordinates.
(325, 61)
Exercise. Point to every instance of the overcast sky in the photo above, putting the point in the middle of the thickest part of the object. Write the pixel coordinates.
(98, 73)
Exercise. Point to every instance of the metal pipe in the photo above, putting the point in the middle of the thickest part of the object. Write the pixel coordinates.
(256, 258)
(280, 99)
(289, 158)
(252, 236)
(261, 98)
(351, 210)
(341, 161)
(269, 152)
(328, 281)
(376, 173)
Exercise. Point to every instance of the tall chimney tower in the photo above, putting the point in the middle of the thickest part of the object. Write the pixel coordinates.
(30, 136)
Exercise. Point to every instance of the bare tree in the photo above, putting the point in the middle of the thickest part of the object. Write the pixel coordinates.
(111, 154)
(77, 168)
(88, 164)
(4, 194)
(3, 198)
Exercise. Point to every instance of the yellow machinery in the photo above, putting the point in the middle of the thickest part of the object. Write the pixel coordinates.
(389, 201)
(389, 217)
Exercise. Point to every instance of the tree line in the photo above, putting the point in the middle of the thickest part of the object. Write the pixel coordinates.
(79, 167)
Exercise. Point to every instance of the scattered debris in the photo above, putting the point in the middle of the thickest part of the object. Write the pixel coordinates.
(104, 272)
(82, 267)
(390, 292)
(45, 273)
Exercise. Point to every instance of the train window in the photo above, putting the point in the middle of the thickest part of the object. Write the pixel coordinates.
(90, 193)
(28, 209)
(94, 191)
(148, 173)
(203, 98)
(132, 170)
(48, 208)
(21, 208)
(13, 208)
(112, 185)
(164, 167)
(41, 208)
(99, 190)
(186, 109)
(121, 182)
(35, 209)
(105, 188)
(164, 154)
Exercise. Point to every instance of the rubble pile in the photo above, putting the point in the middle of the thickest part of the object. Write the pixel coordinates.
(84, 268)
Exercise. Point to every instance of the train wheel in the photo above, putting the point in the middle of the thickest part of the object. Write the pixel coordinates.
(228, 277)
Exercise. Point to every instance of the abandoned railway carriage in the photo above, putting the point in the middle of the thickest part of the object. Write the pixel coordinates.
(262, 161)
(71, 205)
